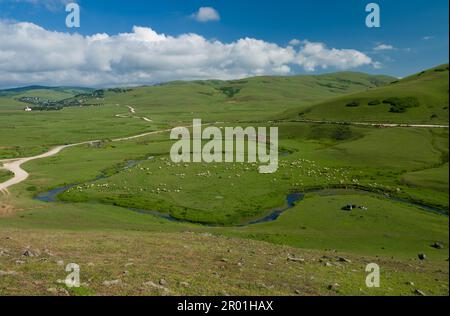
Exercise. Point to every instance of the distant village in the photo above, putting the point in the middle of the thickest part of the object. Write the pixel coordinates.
(85, 99)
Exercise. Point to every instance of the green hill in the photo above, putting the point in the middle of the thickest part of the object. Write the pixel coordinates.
(257, 98)
(50, 93)
(420, 98)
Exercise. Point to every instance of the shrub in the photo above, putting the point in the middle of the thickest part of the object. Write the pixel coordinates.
(353, 104)
(400, 105)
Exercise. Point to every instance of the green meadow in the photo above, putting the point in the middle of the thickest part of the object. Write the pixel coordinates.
(128, 207)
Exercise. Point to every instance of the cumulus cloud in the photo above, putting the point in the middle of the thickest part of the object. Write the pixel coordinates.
(294, 42)
(317, 55)
(30, 54)
(382, 46)
(206, 14)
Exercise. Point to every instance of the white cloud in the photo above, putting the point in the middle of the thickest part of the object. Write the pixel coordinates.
(317, 55)
(382, 46)
(295, 42)
(30, 54)
(206, 14)
(427, 38)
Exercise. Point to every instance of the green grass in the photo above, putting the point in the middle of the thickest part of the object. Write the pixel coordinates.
(407, 163)
(27, 133)
(4, 175)
(191, 263)
(386, 229)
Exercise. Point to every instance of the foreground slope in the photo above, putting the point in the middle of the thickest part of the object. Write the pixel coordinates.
(190, 263)
(419, 99)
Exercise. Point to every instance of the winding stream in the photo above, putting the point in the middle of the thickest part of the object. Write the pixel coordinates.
(291, 199)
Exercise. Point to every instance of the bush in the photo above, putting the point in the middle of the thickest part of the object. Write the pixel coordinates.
(400, 105)
(353, 104)
(374, 102)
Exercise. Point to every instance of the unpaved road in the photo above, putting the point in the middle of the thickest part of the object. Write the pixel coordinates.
(133, 112)
(15, 165)
(375, 124)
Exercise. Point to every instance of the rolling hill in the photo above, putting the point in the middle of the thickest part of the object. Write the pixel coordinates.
(421, 99)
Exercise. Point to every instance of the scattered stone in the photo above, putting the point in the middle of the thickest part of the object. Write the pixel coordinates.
(419, 292)
(48, 253)
(327, 264)
(224, 260)
(60, 262)
(298, 292)
(410, 283)
(162, 282)
(20, 262)
(7, 273)
(342, 259)
(333, 287)
(290, 258)
(349, 207)
(31, 253)
(184, 284)
(52, 290)
(112, 282)
(422, 256)
(157, 286)
(437, 245)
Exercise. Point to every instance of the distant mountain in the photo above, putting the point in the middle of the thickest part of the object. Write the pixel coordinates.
(420, 98)
(50, 93)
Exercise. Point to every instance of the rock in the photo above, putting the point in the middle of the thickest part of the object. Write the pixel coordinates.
(184, 284)
(20, 262)
(342, 259)
(437, 245)
(60, 262)
(30, 253)
(7, 273)
(156, 286)
(327, 264)
(162, 282)
(333, 287)
(290, 258)
(419, 292)
(112, 282)
(49, 253)
(298, 292)
(422, 256)
(410, 283)
(52, 290)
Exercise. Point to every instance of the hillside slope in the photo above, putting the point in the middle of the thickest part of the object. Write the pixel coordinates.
(247, 99)
(189, 263)
(420, 98)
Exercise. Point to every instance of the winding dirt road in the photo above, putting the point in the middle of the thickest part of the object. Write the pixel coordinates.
(375, 124)
(20, 175)
(15, 165)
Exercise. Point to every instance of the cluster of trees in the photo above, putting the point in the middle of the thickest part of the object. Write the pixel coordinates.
(398, 104)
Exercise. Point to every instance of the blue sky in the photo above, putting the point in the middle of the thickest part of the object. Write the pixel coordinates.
(413, 34)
